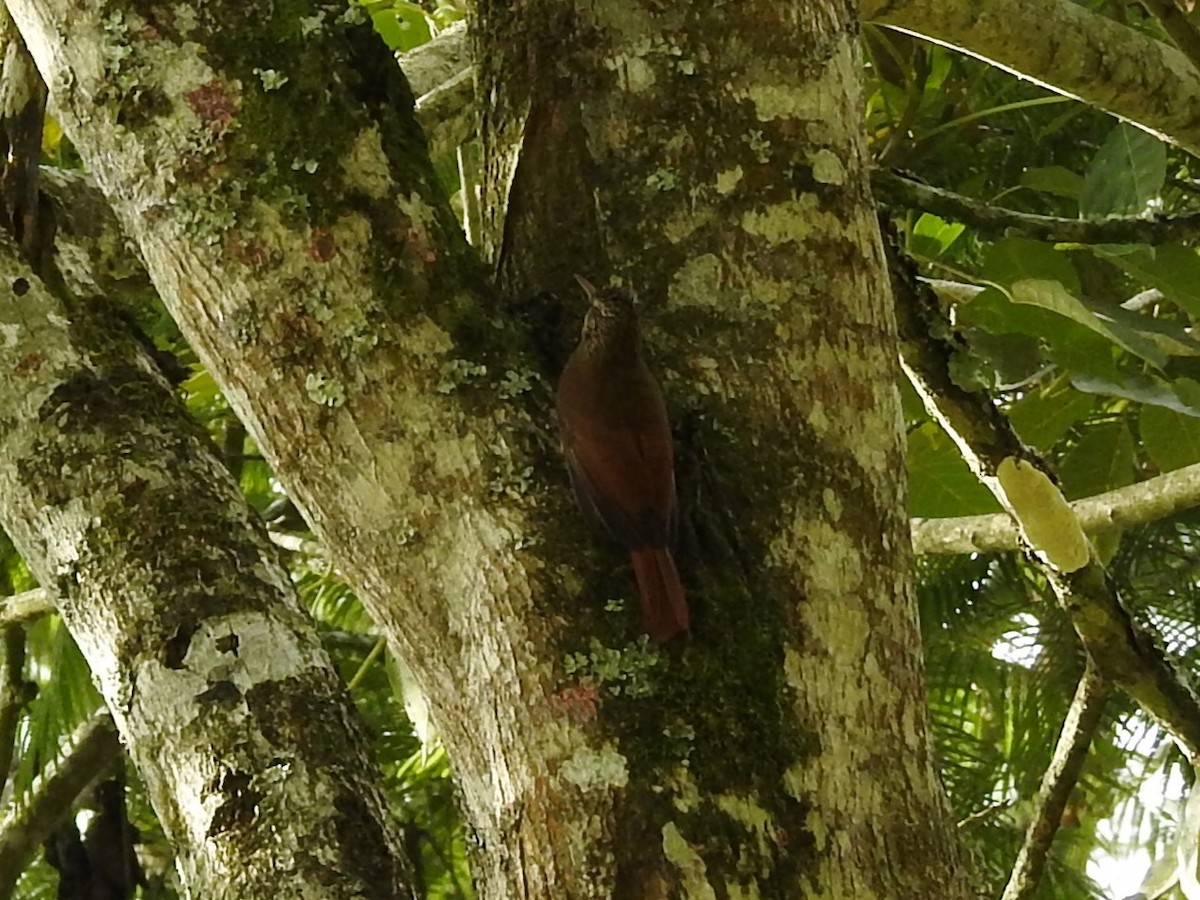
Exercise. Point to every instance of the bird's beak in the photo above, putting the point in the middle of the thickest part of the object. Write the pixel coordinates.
(588, 287)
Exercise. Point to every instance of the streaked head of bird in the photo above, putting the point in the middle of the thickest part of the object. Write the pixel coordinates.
(612, 317)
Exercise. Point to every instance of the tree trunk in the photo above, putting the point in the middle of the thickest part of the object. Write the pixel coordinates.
(714, 160)
(709, 156)
(250, 749)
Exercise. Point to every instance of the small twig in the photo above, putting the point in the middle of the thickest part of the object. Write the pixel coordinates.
(1083, 719)
(25, 607)
(375, 653)
(94, 753)
(982, 815)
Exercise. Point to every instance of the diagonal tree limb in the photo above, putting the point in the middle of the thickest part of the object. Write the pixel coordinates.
(1125, 653)
(188, 621)
(1058, 781)
(94, 752)
(1177, 25)
(1069, 50)
(25, 607)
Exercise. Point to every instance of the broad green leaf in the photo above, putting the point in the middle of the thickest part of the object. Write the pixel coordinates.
(403, 26)
(1188, 390)
(1042, 418)
(1011, 356)
(1127, 173)
(1070, 345)
(1019, 259)
(1172, 336)
(1139, 388)
(1053, 296)
(447, 14)
(1171, 438)
(1101, 461)
(932, 236)
(939, 482)
(1057, 180)
(1172, 268)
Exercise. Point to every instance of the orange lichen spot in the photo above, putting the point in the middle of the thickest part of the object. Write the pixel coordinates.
(212, 103)
(249, 252)
(28, 363)
(322, 247)
(579, 700)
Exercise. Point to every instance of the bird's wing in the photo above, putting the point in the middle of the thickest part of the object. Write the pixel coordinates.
(625, 479)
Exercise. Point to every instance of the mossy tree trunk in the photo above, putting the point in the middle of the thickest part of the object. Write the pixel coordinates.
(248, 744)
(710, 157)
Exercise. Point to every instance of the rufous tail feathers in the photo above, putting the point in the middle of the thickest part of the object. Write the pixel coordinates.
(664, 607)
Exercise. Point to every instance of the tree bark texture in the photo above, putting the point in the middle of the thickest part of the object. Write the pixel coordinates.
(711, 157)
(250, 749)
(1069, 49)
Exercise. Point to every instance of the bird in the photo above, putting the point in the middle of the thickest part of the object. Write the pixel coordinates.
(617, 441)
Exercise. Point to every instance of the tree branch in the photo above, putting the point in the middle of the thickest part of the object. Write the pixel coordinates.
(195, 608)
(1069, 50)
(25, 607)
(1147, 501)
(899, 191)
(442, 77)
(94, 752)
(14, 694)
(1124, 653)
(1058, 781)
(1177, 26)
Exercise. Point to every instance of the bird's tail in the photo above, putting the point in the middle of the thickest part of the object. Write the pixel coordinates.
(664, 607)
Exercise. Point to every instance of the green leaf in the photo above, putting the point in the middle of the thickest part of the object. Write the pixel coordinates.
(1139, 388)
(403, 26)
(1127, 173)
(932, 236)
(1171, 439)
(1018, 259)
(447, 14)
(1053, 296)
(1172, 336)
(1012, 356)
(1188, 390)
(1042, 418)
(939, 482)
(1072, 346)
(1172, 268)
(1101, 461)
(1057, 180)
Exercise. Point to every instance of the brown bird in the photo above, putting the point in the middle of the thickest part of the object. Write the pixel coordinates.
(617, 441)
